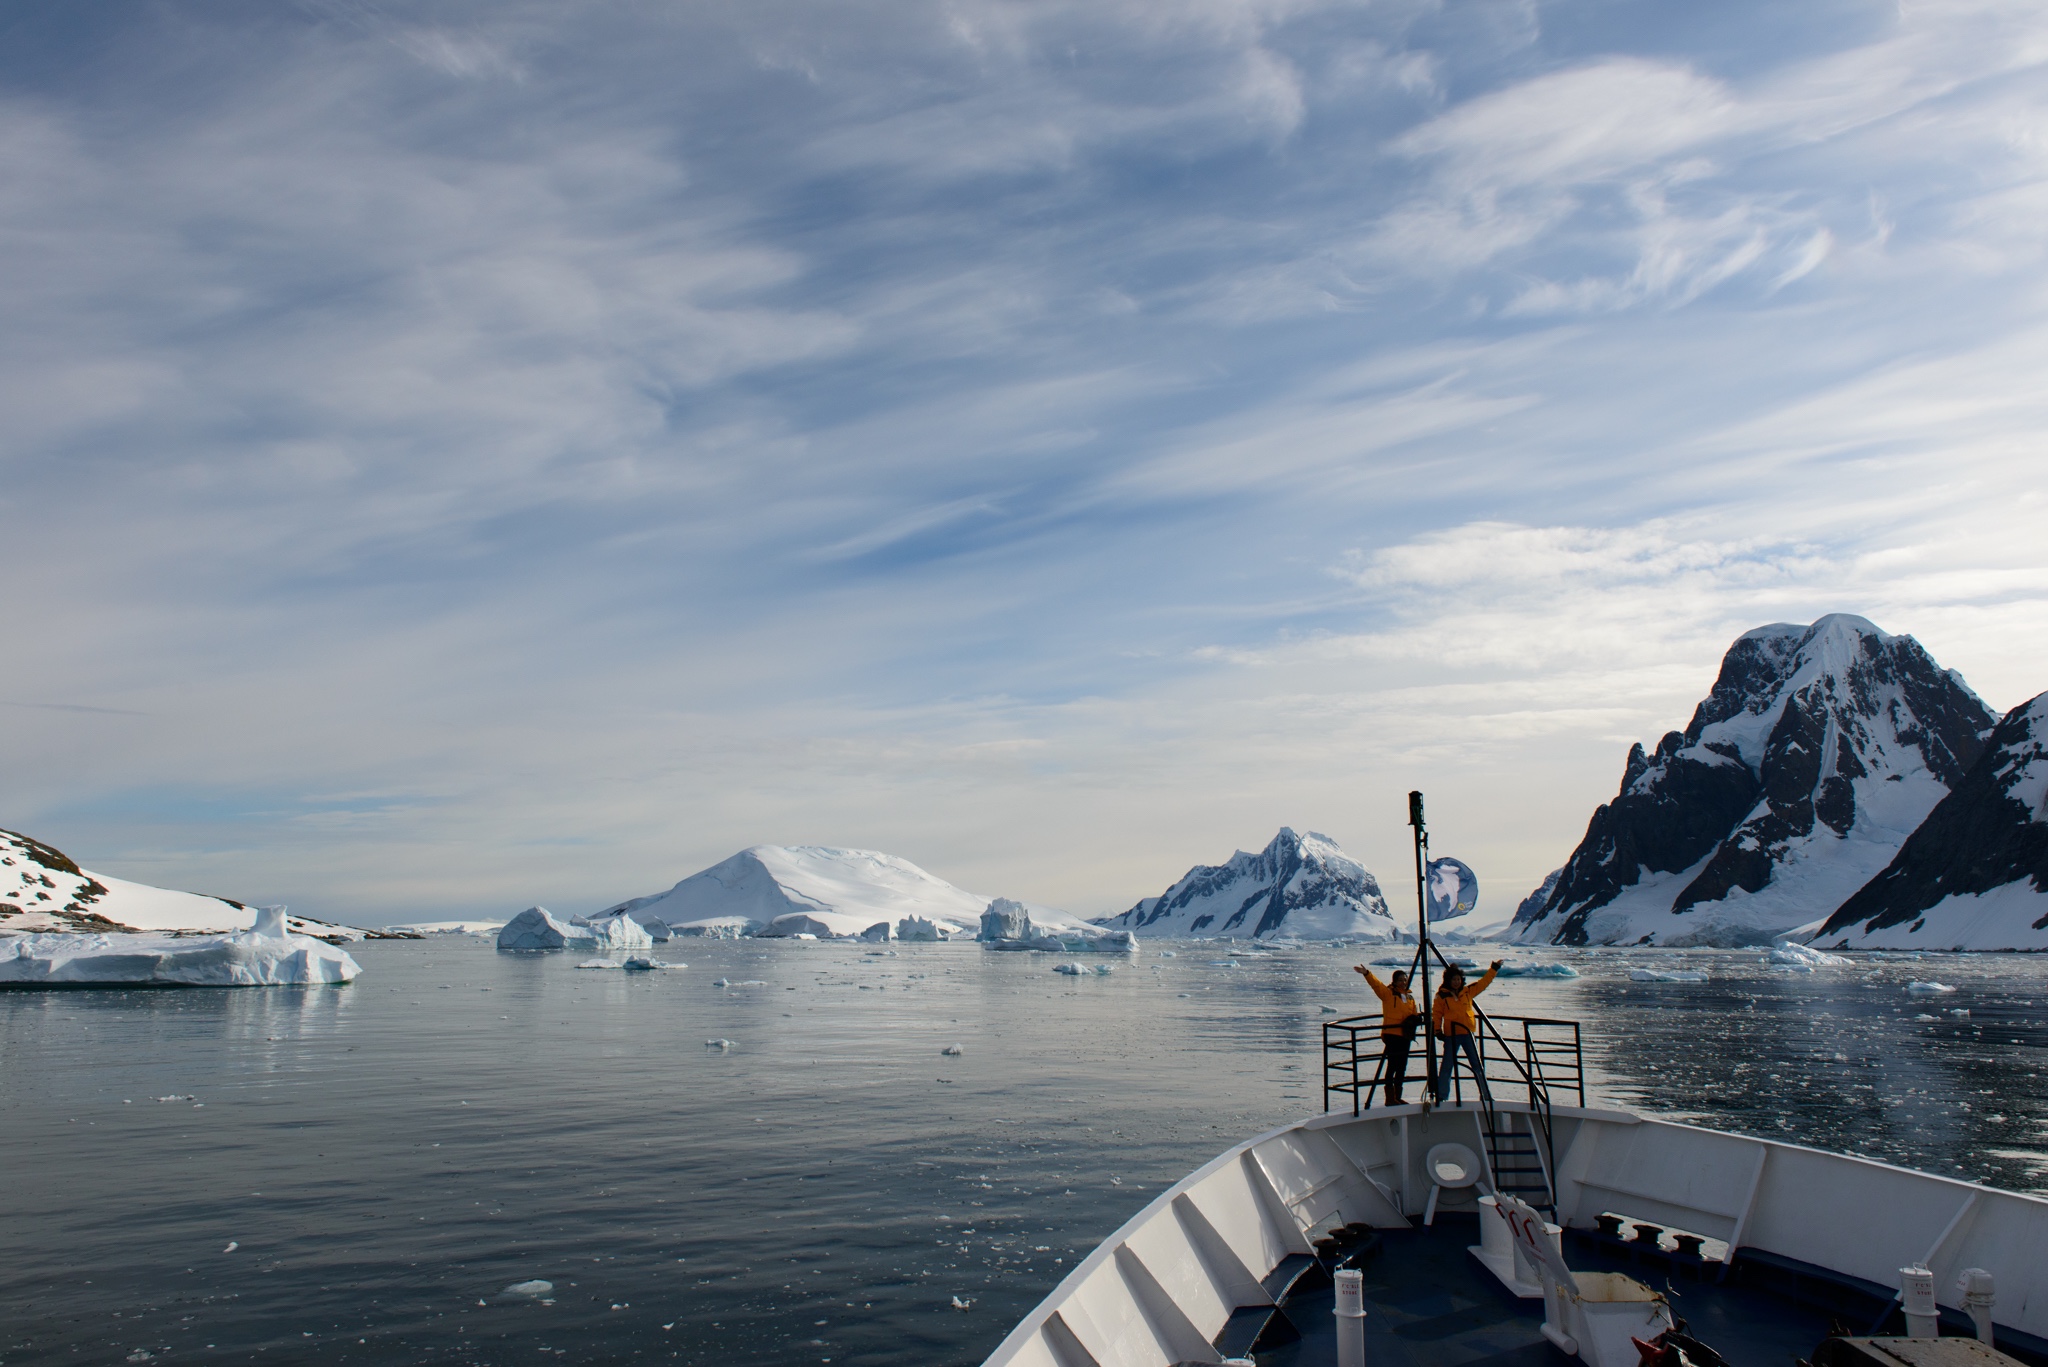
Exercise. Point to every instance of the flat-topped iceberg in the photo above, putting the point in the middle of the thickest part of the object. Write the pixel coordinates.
(266, 955)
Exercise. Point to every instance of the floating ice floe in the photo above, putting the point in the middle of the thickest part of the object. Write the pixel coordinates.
(1792, 954)
(1660, 975)
(1929, 989)
(266, 955)
(1538, 971)
(718, 1044)
(952, 1050)
(1084, 970)
(535, 1287)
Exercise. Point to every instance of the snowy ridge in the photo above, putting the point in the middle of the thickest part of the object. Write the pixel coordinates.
(806, 889)
(41, 889)
(1300, 886)
(1800, 775)
(1975, 873)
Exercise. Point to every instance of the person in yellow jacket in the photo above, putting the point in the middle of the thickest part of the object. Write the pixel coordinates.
(1456, 1028)
(1400, 1018)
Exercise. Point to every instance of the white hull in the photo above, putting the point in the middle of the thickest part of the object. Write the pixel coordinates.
(1159, 1290)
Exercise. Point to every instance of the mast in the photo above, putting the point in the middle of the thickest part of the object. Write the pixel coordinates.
(1422, 945)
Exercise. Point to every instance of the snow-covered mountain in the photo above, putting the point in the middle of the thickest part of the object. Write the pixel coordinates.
(838, 892)
(1300, 886)
(1799, 777)
(41, 889)
(1974, 875)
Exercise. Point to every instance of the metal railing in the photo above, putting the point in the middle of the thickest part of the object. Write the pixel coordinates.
(1540, 1055)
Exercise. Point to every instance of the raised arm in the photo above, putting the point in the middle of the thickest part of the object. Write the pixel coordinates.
(1379, 989)
(1492, 972)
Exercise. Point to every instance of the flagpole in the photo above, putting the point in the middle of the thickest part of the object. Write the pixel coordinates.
(1422, 936)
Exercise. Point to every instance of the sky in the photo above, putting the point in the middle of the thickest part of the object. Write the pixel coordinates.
(464, 455)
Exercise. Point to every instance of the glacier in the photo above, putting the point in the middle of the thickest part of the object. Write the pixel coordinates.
(1299, 886)
(267, 954)
(1818, 751)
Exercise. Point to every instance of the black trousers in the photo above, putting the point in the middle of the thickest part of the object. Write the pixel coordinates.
(1396, 1048)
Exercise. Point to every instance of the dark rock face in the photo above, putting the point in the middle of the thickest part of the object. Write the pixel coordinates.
(1990, 831)
(1779, 760)
(1306, 878)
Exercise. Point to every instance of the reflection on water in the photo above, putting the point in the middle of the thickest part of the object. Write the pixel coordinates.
(388, 1157)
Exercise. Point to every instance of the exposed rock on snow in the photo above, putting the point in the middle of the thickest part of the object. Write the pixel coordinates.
(844, 892)
(538, 928)
(266, 955)
(1974, 875)
(1299, 886)
(41, 889)
(1798, 778)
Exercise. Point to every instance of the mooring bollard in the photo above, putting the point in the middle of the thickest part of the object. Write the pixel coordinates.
(1350, 1313)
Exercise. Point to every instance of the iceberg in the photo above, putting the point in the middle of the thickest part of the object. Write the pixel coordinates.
(1538, 971)
(917, 928)
(1008, 924)
(1660, 975)
(1791, 954)
(717, 928)
(537, 928)
(266, 955)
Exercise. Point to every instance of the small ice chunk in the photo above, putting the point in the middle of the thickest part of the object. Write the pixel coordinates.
(1959, 1012)
(959, 1304)
(595, 963)
(1071, 970)
(536, 1287)
(233, 1244)
(1928, 989)
(718, 1044)
(953, 1050)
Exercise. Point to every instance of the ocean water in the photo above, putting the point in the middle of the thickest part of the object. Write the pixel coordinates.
(359, 1174)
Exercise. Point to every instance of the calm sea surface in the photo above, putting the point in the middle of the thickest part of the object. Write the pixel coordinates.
(358, 1174)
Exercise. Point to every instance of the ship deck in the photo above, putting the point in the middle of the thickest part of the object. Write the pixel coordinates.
(1430, 1303)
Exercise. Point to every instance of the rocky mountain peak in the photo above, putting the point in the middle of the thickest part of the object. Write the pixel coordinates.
(1298, 885)
(1816, 751)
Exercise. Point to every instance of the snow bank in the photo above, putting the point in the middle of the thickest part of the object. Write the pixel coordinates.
(266, 955)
